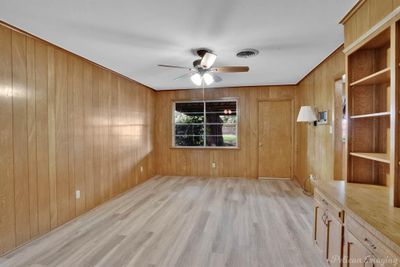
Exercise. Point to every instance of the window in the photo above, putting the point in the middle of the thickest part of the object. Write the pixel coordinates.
(210, 123)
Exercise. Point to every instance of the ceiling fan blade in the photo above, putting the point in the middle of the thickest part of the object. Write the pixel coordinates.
(175, 67)
(231, 69)
(183, 76)
(217, 78)
(208, 60)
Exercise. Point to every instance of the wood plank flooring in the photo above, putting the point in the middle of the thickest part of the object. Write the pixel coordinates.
(185, 221)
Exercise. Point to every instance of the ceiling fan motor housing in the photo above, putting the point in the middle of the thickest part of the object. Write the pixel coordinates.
(196, 63)
(202, 51)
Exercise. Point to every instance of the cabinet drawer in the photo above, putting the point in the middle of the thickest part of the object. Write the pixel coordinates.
(336, 212)
(368, 240)
(356, 255)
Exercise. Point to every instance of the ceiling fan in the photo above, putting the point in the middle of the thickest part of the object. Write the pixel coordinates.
(203, 70)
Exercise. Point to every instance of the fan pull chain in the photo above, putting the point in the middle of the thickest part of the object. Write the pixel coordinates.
(202, 83)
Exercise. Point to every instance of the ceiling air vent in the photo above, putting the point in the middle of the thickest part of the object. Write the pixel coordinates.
(246, 53)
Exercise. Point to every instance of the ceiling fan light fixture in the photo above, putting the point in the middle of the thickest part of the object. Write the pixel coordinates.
(208, 60)
(208, 78)
(196, 79)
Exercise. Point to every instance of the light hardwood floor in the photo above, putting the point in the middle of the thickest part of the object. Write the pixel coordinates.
(185, 221)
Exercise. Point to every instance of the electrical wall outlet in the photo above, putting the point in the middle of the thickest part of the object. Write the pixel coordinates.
(141, 168)
(213, 165)
(77, 194)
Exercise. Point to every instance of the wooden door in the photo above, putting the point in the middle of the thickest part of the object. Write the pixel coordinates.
(275, 128)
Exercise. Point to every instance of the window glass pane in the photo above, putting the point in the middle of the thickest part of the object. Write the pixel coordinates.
(228, 118)
(220, 129)
(221, 119)
(191, 112)
(230, 140)
(189, 129)
(221, 140)
(221, 112)
(221, 135)
(189, 140)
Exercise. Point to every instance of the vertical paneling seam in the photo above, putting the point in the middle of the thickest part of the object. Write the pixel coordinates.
(12, 134)
(27, 130)
(36, 135)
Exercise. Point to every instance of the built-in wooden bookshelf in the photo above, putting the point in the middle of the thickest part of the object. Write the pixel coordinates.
(370, 112)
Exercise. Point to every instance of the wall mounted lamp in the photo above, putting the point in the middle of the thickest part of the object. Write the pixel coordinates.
(307, 114)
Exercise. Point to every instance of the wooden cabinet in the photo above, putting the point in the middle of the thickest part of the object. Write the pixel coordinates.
(366, 246)
(345, 239)
(342, 239)
(328, 230)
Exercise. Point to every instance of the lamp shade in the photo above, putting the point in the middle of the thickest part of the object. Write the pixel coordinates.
(306, 114)
(208, 78)
(196, 79)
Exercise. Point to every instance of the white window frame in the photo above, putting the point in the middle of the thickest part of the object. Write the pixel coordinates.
(205, 123)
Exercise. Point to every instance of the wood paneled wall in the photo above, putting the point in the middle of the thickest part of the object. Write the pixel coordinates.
(364, 16)
(242, 162)
(315, 151)
(66, 125)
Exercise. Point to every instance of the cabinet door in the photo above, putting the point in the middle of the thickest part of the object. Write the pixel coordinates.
(321, 231)
(356, 255)
(335, 241)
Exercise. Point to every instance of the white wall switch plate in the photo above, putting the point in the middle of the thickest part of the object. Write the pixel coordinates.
(77, 194)
(141, 168)
(213, 165)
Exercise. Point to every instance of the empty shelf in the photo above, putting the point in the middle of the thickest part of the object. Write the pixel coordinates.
(376, 78)
(379, 114)
(381, 157)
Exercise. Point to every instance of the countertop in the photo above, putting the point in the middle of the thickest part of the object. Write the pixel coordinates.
(370, 205)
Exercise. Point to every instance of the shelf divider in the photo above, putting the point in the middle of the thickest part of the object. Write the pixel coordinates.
(381, 157)
(381, 76)
(371, 115)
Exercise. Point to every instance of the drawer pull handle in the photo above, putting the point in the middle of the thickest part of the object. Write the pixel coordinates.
(325, 217)
(370, 243)
(349, 244)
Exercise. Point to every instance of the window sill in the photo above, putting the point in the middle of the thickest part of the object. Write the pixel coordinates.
(205, 148)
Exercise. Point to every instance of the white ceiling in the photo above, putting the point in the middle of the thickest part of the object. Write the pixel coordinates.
(133, 36)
